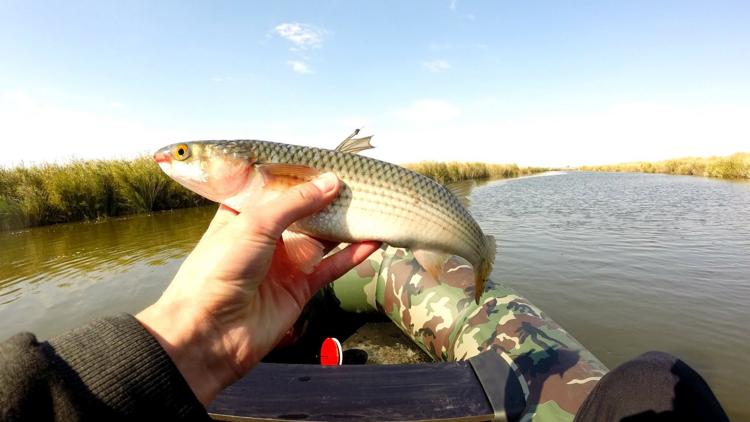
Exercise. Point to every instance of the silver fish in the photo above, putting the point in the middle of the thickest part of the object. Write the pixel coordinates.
(377, 200)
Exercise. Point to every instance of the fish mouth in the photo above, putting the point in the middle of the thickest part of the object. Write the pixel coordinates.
(162, 157)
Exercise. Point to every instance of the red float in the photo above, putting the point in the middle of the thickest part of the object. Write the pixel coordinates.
(331, 353)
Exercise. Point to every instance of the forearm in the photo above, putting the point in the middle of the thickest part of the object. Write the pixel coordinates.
(111, 368)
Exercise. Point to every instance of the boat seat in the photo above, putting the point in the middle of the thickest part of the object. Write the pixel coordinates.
(482, 388)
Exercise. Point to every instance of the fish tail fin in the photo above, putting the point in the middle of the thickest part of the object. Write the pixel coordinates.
(483, 270)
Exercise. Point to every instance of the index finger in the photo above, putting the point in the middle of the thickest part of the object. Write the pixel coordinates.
(341, 262)
(224, 214)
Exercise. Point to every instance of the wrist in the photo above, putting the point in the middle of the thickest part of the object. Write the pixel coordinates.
(194, 345)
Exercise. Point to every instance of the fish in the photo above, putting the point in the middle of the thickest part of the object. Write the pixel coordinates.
(377, 200)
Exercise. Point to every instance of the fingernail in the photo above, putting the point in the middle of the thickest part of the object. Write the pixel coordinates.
(326, 182)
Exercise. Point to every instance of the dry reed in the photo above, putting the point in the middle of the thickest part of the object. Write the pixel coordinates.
(735, 166)
(95, 189)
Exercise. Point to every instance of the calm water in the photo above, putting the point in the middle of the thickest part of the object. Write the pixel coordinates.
(56, 277)
(629, 263)
(625, 262)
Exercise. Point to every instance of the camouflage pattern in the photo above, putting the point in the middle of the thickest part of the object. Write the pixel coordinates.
(555, 371)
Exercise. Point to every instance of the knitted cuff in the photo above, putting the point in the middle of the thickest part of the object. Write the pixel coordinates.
(124, 371)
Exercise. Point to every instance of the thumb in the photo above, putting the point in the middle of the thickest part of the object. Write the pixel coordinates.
(298, 202)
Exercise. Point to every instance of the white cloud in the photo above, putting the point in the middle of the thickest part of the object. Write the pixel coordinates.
(299, 66)
(468, 16)
(436, 66)
(115, 104)
(427, 111)
(303, 36)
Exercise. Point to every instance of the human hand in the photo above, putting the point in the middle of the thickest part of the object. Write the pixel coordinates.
(237, 293)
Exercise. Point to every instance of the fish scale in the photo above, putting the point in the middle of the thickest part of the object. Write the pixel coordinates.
(445, 209)
(345, 165)
(377, 200)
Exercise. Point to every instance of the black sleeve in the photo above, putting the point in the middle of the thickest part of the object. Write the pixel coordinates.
(109, 369)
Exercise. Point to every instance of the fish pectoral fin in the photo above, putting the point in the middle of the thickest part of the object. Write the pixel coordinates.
(432, 262)
(303, 251)
(354, 145)
(286, 175)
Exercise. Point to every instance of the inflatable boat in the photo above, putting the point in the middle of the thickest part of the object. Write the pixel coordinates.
(500, 359)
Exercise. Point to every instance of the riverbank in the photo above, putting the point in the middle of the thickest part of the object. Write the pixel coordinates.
(735, 166)
(87, 190)
(96, 189)
(453, 171)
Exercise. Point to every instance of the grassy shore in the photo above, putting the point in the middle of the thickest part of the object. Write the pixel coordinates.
(87, 190)
(449, 172)
(91, 190)
(735, 166)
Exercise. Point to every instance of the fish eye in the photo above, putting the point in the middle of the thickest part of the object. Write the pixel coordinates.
(181, 152)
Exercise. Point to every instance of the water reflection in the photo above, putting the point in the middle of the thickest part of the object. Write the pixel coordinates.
(53, 277)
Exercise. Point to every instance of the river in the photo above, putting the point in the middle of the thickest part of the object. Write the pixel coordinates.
(625, 262)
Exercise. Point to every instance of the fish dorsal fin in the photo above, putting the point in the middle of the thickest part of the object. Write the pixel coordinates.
(285, 175)
(461, 190)
(304, 251)
(354, 145)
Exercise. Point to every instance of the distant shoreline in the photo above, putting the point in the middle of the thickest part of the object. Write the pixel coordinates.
(91, 190)
(454, 171)
(735, 166)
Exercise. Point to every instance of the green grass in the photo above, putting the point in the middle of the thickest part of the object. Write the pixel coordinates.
(87, 190)
(735, 166)
(449, 172)
(96, 189)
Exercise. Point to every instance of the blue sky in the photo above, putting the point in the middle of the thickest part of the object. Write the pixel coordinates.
(536, 83)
